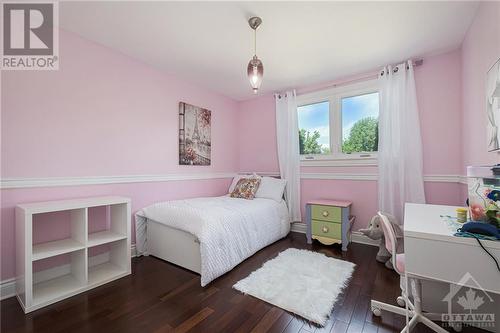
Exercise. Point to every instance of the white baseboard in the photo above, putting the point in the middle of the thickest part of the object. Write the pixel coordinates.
(298, 227)
(133, 251)
(356, 236)
(8, 287)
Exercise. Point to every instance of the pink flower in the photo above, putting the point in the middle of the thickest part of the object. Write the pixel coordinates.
(205, 118)
(477, 212)
(190, 154)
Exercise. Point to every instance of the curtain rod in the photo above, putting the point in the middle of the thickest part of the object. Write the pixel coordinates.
(416, 63)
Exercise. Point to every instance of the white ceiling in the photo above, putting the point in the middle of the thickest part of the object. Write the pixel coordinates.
(300, 43)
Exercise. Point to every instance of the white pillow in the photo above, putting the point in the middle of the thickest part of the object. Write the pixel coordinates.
(271, 188)
(236, 179)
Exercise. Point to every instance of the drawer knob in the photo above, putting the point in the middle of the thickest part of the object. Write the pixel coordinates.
(325, 229)
(325, 213)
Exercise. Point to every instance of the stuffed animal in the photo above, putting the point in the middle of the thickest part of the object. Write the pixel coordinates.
(375, 232)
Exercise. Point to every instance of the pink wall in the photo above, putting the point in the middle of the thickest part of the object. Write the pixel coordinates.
(438, 90)
(257, 135)
(101, 114)
(480, 50)
(438, 84)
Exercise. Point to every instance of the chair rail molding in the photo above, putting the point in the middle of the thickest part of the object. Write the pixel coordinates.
(13, 183)
(9, 183)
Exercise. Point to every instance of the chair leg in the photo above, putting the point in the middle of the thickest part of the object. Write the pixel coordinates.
(414, 320)
(376, 305)
(412, 310)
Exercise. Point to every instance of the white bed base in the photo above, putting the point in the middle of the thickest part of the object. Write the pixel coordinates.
(174, 245)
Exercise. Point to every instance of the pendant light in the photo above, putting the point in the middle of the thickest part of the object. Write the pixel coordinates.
(255, 69)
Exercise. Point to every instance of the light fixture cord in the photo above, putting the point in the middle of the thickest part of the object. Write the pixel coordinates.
(255, 42)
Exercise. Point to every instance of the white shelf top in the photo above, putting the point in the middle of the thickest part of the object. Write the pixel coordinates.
(54, 206)
(104, 237)
(54, 248)
(56, 288)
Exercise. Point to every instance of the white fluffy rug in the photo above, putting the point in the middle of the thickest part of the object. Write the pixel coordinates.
(303, 282)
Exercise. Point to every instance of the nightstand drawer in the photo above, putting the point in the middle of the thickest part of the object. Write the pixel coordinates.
(326, 213)
(327, 229)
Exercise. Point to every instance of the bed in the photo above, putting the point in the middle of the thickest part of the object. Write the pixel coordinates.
(210, 235)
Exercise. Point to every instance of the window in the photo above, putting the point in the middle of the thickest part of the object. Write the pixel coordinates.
(314, 128)
(360, 123)
(339, 124)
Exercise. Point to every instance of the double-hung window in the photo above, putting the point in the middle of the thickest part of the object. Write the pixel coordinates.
(339, 126)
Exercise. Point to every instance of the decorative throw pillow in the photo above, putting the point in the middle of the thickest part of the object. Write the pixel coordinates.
(237, 178)
(246, 188)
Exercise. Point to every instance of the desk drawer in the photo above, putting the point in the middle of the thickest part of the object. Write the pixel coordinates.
(327, 229)
(326, 213)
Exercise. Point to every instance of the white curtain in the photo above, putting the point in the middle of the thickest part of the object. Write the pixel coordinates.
(400, 146)
(493, 106)
(287, 134)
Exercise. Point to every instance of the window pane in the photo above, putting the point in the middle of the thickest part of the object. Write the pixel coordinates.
(360, 123)
(314, 128)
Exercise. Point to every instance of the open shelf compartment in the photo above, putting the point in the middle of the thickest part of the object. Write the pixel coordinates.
(66, 278)
(105, 224)
(71, 224)
(108, 262)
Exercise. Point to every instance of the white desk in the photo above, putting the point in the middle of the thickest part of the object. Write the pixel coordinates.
(432, 252)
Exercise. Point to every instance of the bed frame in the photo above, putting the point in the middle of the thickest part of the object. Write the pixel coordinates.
(173, 245)
(176, 246)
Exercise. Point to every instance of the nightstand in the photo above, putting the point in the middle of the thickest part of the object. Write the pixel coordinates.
(329, 222)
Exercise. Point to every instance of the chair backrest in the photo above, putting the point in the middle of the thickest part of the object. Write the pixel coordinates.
(389, 234)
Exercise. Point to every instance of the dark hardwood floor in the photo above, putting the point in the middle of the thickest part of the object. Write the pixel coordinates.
(160, 297)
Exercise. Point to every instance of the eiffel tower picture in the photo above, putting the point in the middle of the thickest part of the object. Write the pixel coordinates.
(194, 135)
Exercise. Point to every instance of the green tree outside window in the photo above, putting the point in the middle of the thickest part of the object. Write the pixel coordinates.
(363, 137)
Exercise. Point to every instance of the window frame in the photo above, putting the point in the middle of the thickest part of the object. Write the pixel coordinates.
(334, 96)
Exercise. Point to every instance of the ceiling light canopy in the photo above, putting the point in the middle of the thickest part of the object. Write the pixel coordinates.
(255, 69)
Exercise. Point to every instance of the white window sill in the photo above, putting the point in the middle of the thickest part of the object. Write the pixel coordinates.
(328, 161)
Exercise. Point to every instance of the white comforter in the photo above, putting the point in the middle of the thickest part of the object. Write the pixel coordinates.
(229, 229)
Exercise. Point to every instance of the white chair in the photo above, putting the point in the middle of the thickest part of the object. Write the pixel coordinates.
(413, 309)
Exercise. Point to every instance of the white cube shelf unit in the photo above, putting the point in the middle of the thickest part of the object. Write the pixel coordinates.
(38, 289)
